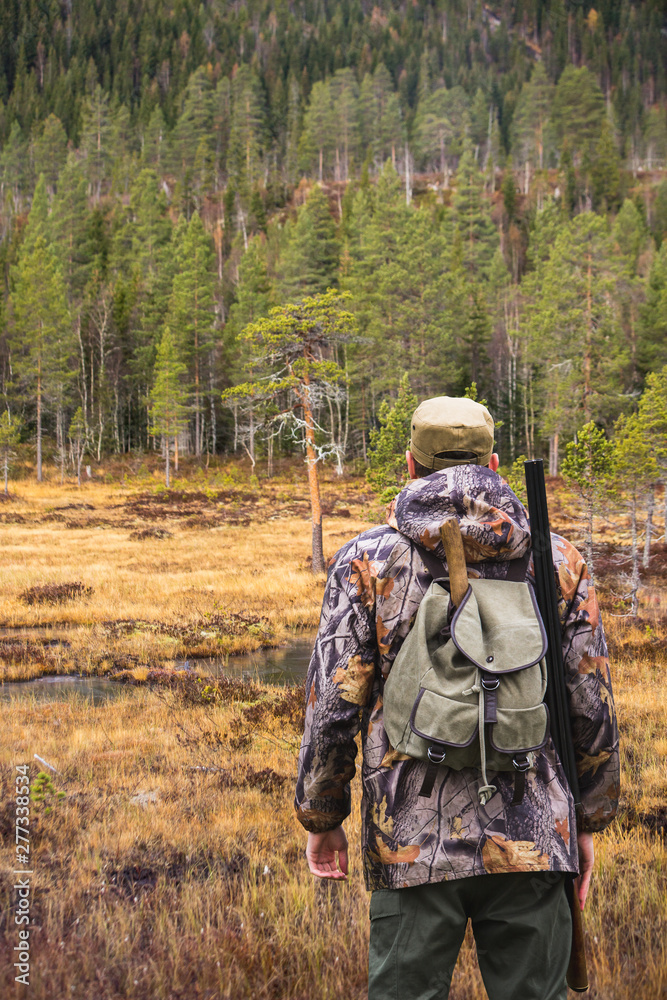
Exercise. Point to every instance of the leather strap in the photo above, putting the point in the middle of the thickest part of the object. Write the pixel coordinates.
(429, 780)
(490, 697)
(519, 787)
(518, 568)
(436, 568)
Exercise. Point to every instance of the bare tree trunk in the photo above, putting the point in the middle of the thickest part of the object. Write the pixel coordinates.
(635, 560)
(588, 543)
(39, 420)
(553, 455)
(212, 404)
(252, 435)
(60, 435)
(175, 452)
(649, 528)
(269, 450)
(313, 480)
(84, 384)
(363, 422)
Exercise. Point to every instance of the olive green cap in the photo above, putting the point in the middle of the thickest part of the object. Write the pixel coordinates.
(444, 426)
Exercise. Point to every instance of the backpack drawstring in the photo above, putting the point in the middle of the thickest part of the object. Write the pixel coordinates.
(486, 790)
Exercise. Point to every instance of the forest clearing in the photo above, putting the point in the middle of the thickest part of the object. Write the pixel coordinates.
(173, 866)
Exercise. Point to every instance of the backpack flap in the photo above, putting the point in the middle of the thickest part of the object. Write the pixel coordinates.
(498, 628)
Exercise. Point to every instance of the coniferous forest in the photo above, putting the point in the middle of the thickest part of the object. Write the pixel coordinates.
(483, 187)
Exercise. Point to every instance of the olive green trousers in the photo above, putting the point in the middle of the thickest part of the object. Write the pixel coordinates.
(521, 923)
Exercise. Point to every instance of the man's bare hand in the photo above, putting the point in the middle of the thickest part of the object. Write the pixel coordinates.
(326, 854)
(586, 859)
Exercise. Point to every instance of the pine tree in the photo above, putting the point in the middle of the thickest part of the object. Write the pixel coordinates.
(578, 112)
(652, 349)
(311, 259)
(192, 313)
(95, 139)
(42, 347)
(246, 136)
(194, 125)
(292, 344)
(13, 161)
(533, 141)
(345, 109)
(575, 329)
(606, 172)
(10, 433)
(316, 139)
(50, 151)
(168, 412)
(67, 229)
(441, 124)
(154, 139)
(478, 235)
(77, 436)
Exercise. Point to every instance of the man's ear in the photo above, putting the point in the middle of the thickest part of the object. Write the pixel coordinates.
(409, 458)
(494, 463)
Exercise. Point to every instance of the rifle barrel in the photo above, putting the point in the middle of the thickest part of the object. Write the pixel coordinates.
(547, 600)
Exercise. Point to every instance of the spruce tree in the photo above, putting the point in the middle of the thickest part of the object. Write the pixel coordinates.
(587, 467)
(168, 411)
(311, 259)
(605, 172)
(478, 235)
(387, 470)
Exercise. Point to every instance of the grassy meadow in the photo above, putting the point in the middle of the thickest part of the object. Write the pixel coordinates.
(173, 867)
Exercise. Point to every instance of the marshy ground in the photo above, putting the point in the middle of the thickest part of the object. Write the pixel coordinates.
(173, 867)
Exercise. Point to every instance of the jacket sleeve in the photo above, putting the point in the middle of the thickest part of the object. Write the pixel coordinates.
(591, 700)
(338, 686)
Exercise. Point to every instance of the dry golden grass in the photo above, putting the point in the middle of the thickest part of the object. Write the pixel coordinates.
(155, 879)
(143, 897)
(259, 570)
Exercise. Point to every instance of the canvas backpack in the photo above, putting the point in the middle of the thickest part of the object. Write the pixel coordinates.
(467, 689)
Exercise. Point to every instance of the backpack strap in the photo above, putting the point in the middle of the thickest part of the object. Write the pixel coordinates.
(517, 569)
(431, 562)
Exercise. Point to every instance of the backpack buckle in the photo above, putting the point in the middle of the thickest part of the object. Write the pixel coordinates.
(521, 763)
(490, 683)
(436, 756)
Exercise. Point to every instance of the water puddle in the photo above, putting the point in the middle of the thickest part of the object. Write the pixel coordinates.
(284, 665)
(94, 689)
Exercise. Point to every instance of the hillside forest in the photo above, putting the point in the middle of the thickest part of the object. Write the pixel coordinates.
(482, 189)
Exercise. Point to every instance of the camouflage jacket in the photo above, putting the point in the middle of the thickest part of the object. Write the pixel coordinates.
(374, 587)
